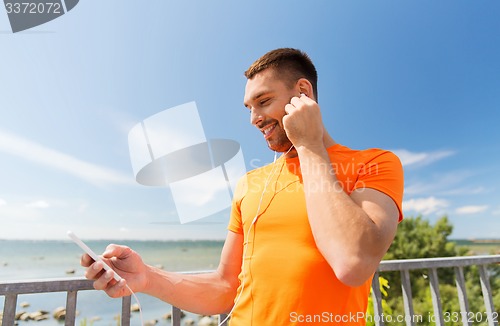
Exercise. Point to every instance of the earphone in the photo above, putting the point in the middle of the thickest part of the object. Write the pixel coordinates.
(256, 217)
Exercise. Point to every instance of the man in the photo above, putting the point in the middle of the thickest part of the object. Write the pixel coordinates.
(306, 232)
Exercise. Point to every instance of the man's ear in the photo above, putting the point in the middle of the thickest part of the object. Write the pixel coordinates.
(305, 87)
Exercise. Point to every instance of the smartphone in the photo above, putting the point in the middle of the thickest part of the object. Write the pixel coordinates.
(92, 254)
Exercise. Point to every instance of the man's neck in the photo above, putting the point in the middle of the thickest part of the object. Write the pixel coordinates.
(328, 140)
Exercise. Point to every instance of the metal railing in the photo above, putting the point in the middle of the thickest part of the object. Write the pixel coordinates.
(432, 265)
(11, 290)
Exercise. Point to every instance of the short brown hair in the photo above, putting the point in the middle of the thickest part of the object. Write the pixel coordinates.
(289, 65)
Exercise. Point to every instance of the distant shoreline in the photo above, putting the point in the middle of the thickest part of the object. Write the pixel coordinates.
(493, 241)
(122, 240)
(475, 241)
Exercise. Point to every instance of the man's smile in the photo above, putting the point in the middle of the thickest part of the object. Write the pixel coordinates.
(268, 130)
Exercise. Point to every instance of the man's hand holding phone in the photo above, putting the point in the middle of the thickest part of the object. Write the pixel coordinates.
(118, 267)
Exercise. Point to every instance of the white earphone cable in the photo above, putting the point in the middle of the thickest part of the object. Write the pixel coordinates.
(243, 271)
(138, 303)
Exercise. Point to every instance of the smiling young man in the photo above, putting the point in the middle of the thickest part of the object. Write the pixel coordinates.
(306, 233)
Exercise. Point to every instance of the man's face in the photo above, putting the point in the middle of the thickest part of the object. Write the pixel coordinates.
(266, 97)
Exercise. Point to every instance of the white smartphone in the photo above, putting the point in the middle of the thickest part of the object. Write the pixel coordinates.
(92, 254)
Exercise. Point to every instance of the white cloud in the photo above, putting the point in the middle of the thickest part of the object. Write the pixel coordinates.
(82, 208)
(438, 183)
(472, 209)
(19, 212)
(423, 158)
(38, 204)
(425, 206)
(2, 202)
(89, 172)
(201, 196)
(465, 191)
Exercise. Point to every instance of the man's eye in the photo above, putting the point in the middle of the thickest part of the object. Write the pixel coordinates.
(264, 102)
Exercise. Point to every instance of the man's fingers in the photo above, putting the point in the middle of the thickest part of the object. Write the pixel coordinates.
(296, 102)
(117, 290)
(114, 250)
(86, 260)
(306, 99)
(101, 283)
(94, 271)
(301, 101)
(289, 108)
(107, 283)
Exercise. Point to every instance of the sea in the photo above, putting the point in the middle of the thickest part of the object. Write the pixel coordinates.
(24, 260)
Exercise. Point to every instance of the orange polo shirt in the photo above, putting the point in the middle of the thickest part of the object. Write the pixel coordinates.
(285, 280)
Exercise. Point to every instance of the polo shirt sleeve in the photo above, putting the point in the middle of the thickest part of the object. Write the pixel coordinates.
(383, 172)
(235, 219)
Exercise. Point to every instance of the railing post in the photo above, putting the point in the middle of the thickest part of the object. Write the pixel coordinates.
(436, 297)
(69, 319)
(462, 296)
(377, 301)
(126, 305)
(9, 309)
(176, 316)
(222, 319)
(407, 297)
(488, 300)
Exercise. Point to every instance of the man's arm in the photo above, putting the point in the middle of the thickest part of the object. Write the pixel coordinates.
(211, 293)
(207, 294)
(352, 232)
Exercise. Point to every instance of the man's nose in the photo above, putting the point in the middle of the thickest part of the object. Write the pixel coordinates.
(256, 117)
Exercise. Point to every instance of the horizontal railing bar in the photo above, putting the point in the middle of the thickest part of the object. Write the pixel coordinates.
(46, 285)
(55, 285)
(441, 262)
(79, 284)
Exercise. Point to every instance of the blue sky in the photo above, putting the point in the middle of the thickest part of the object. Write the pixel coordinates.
(421, 78)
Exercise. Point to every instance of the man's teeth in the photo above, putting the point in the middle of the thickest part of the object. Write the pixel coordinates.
(268, 130)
